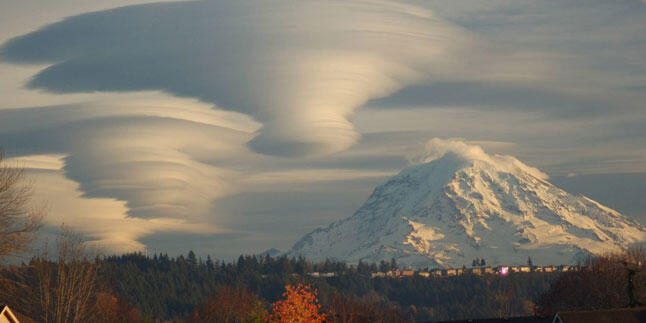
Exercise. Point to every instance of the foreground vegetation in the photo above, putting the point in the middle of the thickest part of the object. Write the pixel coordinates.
(135, 287)
(172, 287)
(182, 287)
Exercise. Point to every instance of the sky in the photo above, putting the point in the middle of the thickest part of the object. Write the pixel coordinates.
(229, 127)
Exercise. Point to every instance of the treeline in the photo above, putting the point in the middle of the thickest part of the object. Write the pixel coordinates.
(173, 287)
(616, 280)
(139, 288)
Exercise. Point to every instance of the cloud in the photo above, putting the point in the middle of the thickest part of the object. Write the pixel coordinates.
(146, 155)
(129, 170)
(37, 162)
(559, 58)
(102, 220)
(122, 171)
(497, 96)
(271, 179)
(437, 148)
(298, 67)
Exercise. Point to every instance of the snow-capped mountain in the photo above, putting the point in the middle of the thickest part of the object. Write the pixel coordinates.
(465, 204)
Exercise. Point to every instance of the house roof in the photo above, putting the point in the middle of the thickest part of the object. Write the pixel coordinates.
(625, 315)
(13, 316)
(6, 315)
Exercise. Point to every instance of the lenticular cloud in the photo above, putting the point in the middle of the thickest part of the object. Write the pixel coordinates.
(159, 160)
(298, 67)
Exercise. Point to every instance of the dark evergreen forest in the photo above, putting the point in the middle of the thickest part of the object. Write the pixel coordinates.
(172, 287)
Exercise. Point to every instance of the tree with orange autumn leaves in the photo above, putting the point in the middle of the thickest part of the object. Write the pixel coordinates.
(299, 306)
(236, 304)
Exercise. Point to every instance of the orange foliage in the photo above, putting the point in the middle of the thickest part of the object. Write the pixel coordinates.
(299, 306)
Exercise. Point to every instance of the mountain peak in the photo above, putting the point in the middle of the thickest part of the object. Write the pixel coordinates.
(468, 154)
(459, 203)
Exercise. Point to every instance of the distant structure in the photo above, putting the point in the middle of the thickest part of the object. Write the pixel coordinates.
(478, 271)
(378, 274)
(408, 273)
(451, 272)
(317, 274)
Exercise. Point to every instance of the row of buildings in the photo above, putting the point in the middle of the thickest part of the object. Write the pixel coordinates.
(500, 270)
(480, 271)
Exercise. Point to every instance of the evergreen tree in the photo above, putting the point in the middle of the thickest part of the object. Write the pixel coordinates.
(383, 266)
(209, 262)
(393, 264)
(192, 260)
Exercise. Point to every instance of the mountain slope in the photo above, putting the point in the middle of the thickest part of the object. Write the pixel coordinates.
(465, 204)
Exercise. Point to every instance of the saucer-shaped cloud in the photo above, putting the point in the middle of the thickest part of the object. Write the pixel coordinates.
(104, 222)
(298, 67)
(158, 159)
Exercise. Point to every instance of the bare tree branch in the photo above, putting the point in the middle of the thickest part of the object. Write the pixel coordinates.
(19, 219)
(62, 288)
